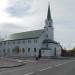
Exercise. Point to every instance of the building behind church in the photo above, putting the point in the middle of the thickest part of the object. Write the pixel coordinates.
(39, 42)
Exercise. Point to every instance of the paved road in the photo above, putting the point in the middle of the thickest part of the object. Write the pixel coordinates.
(67, 68)
(43, 67)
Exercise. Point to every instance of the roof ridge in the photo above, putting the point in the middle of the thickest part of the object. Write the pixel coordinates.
(27, 31)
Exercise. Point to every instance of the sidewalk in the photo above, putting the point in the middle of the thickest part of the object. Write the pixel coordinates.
(7, 63)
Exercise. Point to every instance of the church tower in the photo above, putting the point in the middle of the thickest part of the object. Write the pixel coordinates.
(49, 26)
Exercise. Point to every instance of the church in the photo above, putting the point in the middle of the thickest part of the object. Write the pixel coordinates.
(33, 43)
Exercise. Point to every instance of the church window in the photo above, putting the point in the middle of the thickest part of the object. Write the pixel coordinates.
(28, 50)
(35, 50)
(29, 41)
(35, 41)
(8, 50)
(3, 50)
(0, 44)
(13, 42)
(13, 50)
(18, 42)
(23, 41)
(46, 35)
(8, 43)
(4, 43)
(23, 50)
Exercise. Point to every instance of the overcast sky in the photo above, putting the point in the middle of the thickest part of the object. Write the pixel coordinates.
(26, 15)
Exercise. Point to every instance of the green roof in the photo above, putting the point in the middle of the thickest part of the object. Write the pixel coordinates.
(50, 41)
(26, 35)
(49, 13)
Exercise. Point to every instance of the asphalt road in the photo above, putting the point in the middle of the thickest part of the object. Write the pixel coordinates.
(43, 67)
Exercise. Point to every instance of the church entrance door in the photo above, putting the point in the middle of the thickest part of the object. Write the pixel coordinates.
(55, 52)
(39, 53)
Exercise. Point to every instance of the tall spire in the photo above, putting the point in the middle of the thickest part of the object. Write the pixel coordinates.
(48, 13)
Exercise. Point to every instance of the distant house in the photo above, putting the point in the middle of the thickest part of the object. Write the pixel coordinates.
(32, 43)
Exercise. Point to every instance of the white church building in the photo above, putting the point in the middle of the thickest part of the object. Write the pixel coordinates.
(38, 42)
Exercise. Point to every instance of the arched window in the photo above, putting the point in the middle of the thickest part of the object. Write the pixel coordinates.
(8, 43)
(4, 43)
(35, 41)
(29, 41)
(3, 50)
(34, 50)
(23, 50)
(16, 50)
(0, 44)
(13, 42)
(18, 42)
(46, 35)
(8, 50)
(28, 50)
(23, 41)
(13, 50)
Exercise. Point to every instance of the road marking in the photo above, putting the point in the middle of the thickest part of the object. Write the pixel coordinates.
(45, 68)
(63, 63)
(58, 65)
(29, 61)
(29, 73)
(19, 60)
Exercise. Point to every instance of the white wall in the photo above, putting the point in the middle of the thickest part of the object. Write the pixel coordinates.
(46, 52)
(58, 49)
(21, 45)
(49, 30)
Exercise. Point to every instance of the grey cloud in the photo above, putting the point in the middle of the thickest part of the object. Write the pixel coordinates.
(65, 24)
(19, 8)
(10, 26)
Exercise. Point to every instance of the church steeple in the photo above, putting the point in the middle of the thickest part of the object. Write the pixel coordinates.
(49, 13)
(49, 25)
